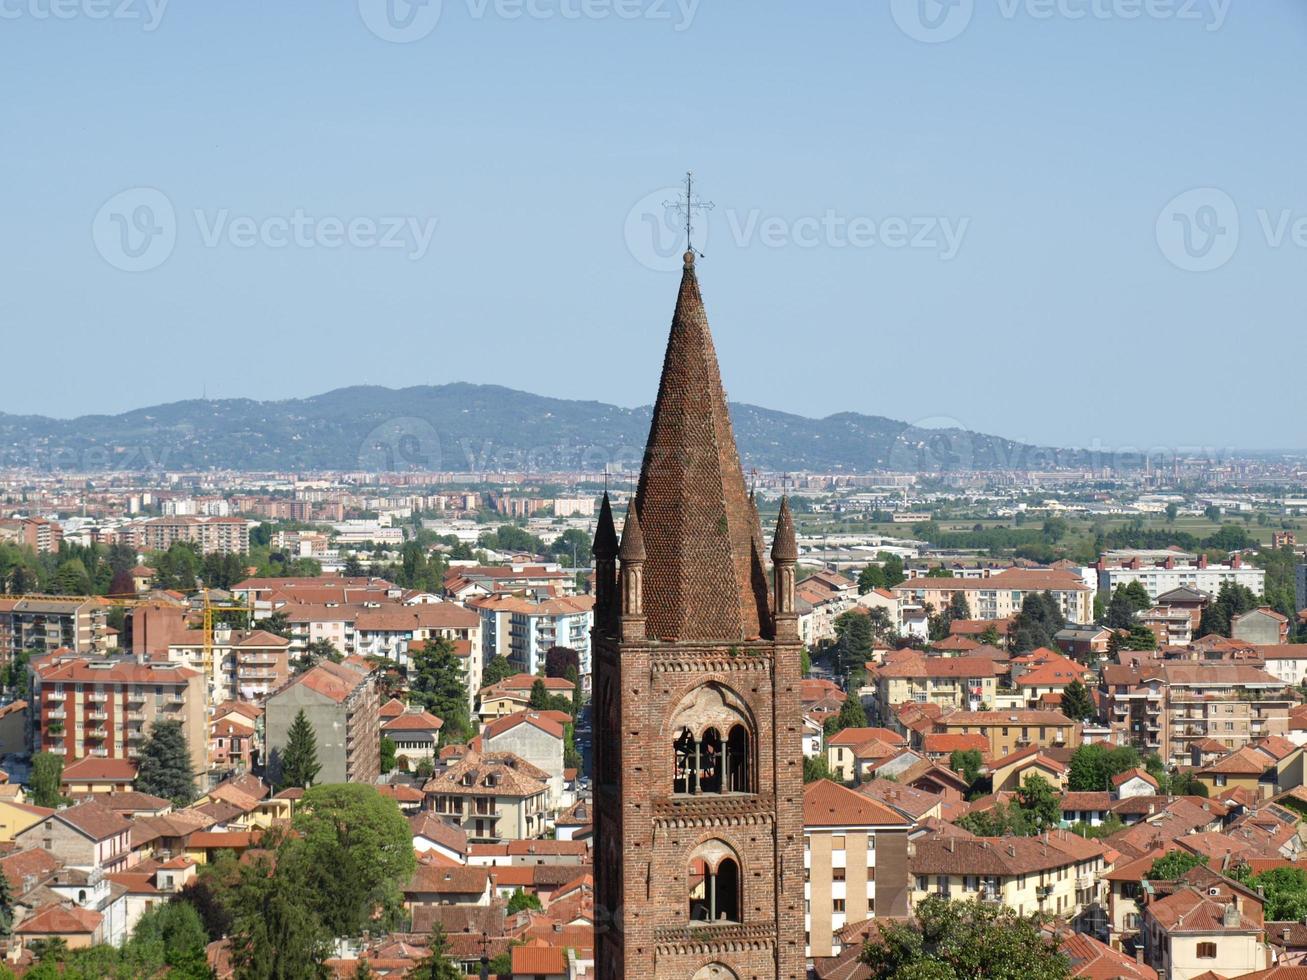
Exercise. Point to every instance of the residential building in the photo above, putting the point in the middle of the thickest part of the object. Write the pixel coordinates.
(212, 535)
(1059, 874)
(105, 708)
(513, 694)
(243, 664)
(492, 796)
(1287, 662)
(535, 736)
(1202, 932)
(416, 734)
(1000, 594)
(851, 752)
(37, 533)
(87, 836)
(342, 706)
(49, 623)
(564, 622)
(1260, 626)
(388, 630)
(1008, 731)
(1177, 572)
(951, 682)
(855, 860)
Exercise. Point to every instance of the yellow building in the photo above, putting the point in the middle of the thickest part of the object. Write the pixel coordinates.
(16, 817)
(950, 682)
(1010, 731)
(999, 595)
(1060, 874)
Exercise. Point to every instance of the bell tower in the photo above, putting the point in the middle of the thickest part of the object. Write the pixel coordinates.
(698, 760)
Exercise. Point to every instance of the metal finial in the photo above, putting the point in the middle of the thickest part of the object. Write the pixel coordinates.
(687, 206)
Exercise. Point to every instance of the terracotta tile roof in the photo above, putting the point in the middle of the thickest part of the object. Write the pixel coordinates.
(858, 736)
(920, 666)
(423, 616)
(117, 672)
(1189, 911)
(448, 880)
(1245, 761)
(826, 804)
(94, 820)
(413, 721)
(948, 743)
(90, 769)
(1122, 778)
(392, 708)
(34, 862)
(704, 575)
(508, 722)
(400, 792)
(537, 958)
(978, 719)
(480, 773)
(60, 920)
(236, 840)
(334, 681)
(1092, 960)
(1002, 856)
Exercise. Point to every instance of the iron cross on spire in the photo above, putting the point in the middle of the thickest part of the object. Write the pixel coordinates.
(687, 205)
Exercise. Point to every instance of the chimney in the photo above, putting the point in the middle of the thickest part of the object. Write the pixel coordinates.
(952, 845)
(1170, 562)
(1202, 561)
(1236, 560)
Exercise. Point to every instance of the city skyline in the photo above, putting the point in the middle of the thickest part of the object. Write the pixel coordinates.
(1064, 265)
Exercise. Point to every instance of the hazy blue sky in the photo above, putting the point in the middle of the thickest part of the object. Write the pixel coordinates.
(981, 228)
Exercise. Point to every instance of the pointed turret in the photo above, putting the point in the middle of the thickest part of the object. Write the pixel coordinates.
(632, 538)
(605, 542)
(705, 577)
(784, 546)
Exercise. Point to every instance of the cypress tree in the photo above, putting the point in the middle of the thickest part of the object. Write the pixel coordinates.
(299, 762)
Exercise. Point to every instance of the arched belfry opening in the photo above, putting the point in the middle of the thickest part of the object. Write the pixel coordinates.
(712, 739)
(715, 881)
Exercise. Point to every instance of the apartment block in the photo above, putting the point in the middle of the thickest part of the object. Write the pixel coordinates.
(1000, 594)
(1171, 572)
(48, 623)
(244, 665)
(951, 682)
(1058, 874)
(220, 535)
(33, 532)
(855, 862)
(1167, 707)
(105, 708)
(491, 796)
(1009, 731)
(342, 706)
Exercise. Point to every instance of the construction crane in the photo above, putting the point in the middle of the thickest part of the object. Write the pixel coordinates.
(210, 608)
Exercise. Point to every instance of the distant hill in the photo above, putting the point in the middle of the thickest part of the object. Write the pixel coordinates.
(465, 427)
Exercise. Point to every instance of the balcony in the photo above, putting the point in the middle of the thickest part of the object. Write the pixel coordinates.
(136, 697)
(95, 735)
(136, 716)
(55, 696)
(100, 753)
(57, 715)
(135, 734)
(96, 715)
(95, 697)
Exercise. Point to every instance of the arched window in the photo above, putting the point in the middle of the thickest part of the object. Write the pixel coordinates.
(714, 880)
(703, 760)
(715, 971)
(739, 774)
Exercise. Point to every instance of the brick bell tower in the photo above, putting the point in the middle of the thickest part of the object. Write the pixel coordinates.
(698, 763)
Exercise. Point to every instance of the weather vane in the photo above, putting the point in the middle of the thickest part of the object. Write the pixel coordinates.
(687, 206)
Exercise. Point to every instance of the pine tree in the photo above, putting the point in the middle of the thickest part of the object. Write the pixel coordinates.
(6, 907)
(165, 768)
(1076, 702)
(299, 761)
(47, 776)
(438, 965)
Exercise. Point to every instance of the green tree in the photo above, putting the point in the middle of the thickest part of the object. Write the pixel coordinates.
(1037, 623)
(497, 669)
(165, 767)
(387, 753)
(436, 685)
(71, 578)
(966, 762)
(1094, 765)
(174, 931)
(851, 715)
(539, 700)
(276, 934)
(1076, 702)
(1041, 803)
(6, 907)
(963, 941)
(47, 779)
(1285, 890)
(1172, 512)
(816, 768)
(1172, 865)
(853, 641)
(299, 760)
(437, 965)
(521, 901)
(356, 850)
(871, 577)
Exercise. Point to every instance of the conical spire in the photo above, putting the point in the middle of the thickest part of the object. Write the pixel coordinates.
(605, 542)
(632, 537)
(784, 546)
(704, 577)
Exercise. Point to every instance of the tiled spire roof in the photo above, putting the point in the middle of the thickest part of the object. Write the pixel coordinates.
(704, 577)
(605, 543)
(784, 546)
(632, 538)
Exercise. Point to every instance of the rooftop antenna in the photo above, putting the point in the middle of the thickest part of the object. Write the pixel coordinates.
(687, 206)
